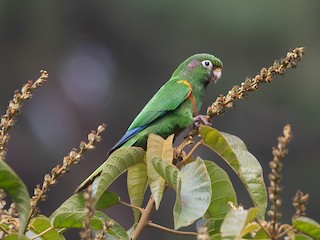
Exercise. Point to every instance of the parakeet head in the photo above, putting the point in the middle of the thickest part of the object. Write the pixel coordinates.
(202, 67)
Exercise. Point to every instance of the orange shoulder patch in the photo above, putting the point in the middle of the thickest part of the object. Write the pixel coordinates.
(190, 97)
(185, 82)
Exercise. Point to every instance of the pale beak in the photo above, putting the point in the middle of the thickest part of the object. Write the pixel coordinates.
(217, 73)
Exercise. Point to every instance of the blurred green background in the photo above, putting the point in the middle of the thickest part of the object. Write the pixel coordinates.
(106, 59)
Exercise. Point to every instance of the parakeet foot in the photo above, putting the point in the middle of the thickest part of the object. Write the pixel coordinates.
(200, 120)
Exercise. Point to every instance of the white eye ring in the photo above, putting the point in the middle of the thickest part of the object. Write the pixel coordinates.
(207, 64)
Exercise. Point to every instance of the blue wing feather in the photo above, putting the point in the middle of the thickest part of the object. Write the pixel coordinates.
(126, 137)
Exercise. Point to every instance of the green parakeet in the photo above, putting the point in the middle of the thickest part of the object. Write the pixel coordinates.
(175, 106)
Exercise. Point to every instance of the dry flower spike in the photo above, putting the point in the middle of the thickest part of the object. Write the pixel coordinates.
(86, 233)
(275, 189)
(300, 201)
(73, 157)
(14, 108)
(279, 67)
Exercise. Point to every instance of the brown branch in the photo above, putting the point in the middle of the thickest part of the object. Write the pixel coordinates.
(144, 220)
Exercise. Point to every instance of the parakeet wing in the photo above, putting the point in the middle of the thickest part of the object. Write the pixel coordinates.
(168, 98)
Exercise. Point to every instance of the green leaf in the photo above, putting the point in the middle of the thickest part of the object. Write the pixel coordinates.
(233, 150)
(308, 226)
(14, 186)
(157, 147)
(41, 224)
(193, 188)
(16, 236)
(302, 237)
(5, 227)
(137, 185)
(168, 172)
(235, 224)
(261, 234)
(222, 192)
(117, 163)
(77, 202)
(108, 199)
(195, 195)
(71, 214)
(75, 218)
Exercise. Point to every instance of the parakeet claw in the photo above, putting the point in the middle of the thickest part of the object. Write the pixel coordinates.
(200, 120)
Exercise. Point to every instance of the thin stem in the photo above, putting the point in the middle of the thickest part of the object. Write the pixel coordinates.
(187, 141)
(264, 229)
(284, 232)
(4, 230)
(132, 206)
(179, 164)
(44, 232)
(154, 225)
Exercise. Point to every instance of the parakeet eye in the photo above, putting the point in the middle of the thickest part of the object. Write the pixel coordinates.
(207, 64)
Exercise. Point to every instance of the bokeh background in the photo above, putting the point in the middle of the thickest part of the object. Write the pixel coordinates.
(106, 59)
